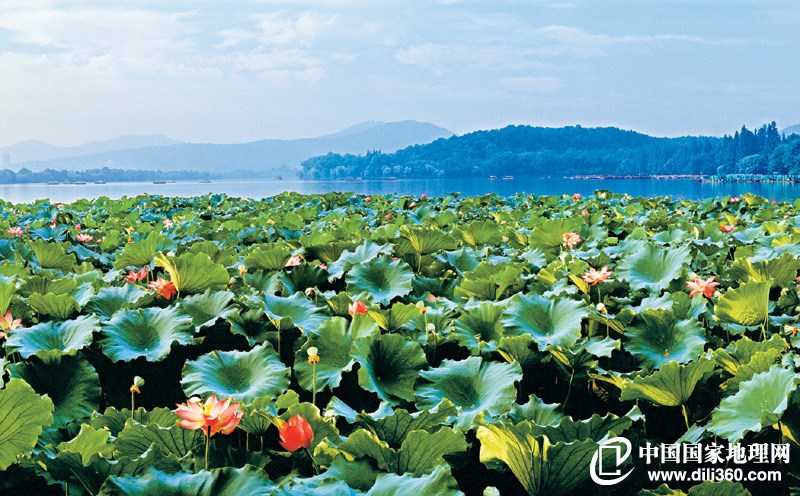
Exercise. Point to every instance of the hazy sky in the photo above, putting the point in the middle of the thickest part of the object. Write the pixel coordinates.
(235, 71)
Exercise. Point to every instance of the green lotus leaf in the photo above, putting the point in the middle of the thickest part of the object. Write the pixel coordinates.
(302, 277)
(109, 300)
(8, 290)
(760, 402)
(521, 349)
(747, 305)
(490, 281)
(333, 340)
(239, 375)
(721, 488)
(253, 324)
(479, 233)
(23, 415)
(51, 255)
(383, 279)
(593, 428)
(114, 420)
(3, 365)
(438, 482)
(659, 338)
(739, 353)
(537, 411)
(395, 316)
(778, 271)
(327, 252)
(268, 257)
(419, 453)
(64, 337)
(193, 272)
(147, 333)
(423, 241)
(207, 307)
(541, 467)
(362, 254)
(294, 311)
(671, 385)
(58, 306)
(227, 481)
(389, 366)
(256, 418)
(141, 253)
(46, 282)
(653, 268)
(480, 327)
(135, 439)
(550, 234)
(70, 381)
(89, 442)
(462, 260)
(550, 322)
(394, 428)
(760, 362)
(472, 385)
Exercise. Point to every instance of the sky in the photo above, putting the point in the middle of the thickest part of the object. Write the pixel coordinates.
(228, 71)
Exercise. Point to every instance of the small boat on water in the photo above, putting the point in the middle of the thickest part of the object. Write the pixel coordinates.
(508, 178)
(204, 181)
(353, 179)
(492, 178)
(53, 183)
(159, 182)
(99, 182)
(390, 178)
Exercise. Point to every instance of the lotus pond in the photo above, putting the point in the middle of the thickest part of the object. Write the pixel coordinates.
(340, 345)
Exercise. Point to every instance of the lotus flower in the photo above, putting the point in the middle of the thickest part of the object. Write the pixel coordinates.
(388, 216)
(706, 287)
(15, 231)
(168, 223)
(576, 196)
(78, 227)
(424, 196)
(134, 277)
(368, 199)
(213, 416)
(593, 276)
(584, 212)
(357, 307)
(295, 433)
(571, 239)
(726, 228)
(735, 199)
(294, 261)
(7, 323)
(84, 238)
(165, 288)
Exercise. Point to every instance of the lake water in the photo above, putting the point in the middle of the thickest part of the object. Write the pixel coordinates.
(20, 193)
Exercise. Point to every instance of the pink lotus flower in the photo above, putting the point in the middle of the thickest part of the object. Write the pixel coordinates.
(357, 307)
(726, 228)
(584, 212)
(368, 199)
(424, 196)
(53, 224)
(735, 199)
(593, 276)
(322, 266)
(774, 202)
(7, 323)
(295, 433)
(134, 277)
(164, 288)
(571, 239)
(78, 227)
(388, 216)
(84, 238)
(212, 417)
(15, 231)
(576, 196)
(294, 261)
(700, 286)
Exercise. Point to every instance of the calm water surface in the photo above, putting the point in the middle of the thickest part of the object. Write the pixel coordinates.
(20, 193)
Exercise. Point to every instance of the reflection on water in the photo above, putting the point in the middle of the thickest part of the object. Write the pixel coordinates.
(19, 193)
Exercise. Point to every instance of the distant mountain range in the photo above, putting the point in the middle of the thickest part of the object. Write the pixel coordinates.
(268, 157)
(792, 130)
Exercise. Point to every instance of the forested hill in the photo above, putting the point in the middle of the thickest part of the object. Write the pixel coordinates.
(538, 151)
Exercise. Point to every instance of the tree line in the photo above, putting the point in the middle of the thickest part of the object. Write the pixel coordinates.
(574, 150)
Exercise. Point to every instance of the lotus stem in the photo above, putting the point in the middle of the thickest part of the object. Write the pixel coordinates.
(208, 441)
(569, 389)
(685, 416)
(313, 463)
(314, 384)
(133, 404)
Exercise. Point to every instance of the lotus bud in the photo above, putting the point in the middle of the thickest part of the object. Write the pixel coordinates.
(242, 270)
(431, 328)
(421, 307)
(602, 308)
(491, 491)
(310, 292)
(717, 294)
(170, 253)
(329, 415)
(138, 382)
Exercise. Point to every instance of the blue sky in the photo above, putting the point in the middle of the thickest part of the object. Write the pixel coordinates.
(235, 71)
